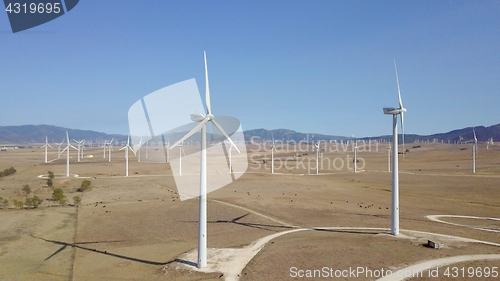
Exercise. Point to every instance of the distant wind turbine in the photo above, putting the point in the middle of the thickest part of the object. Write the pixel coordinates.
(59, 149)
(474, 149)
(46, 145)
(126, 148)
(79, 147)
(110, 147)
(316, 145)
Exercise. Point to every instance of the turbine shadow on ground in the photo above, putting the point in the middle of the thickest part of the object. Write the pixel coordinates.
(247, 224)
(76, 245)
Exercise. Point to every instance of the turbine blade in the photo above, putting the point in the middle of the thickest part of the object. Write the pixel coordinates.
(192, 132)
(473, 130)
(397, 80)
(207, 95)
(225, 134)
(67, 136)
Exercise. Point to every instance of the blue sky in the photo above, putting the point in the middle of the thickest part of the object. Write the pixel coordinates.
(311, 66)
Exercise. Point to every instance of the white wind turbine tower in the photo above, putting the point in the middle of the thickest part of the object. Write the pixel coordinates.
(138, 153)
(46, 145)
(59, 149)
(126, 148)
(395, 169)
(110, 147)
(316, 145)
(67, 153)
(104, 149)
(79, 147)
(356, 154)
(204, 119)
(83, 148)
(474, 149)
(168, 151)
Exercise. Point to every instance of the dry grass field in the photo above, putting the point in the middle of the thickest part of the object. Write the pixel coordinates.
(136, 228)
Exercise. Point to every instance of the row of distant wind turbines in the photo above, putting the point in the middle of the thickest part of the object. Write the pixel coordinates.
(107, 146)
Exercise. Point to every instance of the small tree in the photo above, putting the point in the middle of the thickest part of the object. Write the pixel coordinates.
(26, 190)
(4, 202)
(18, 204)
(33, 202)
(51, 175)
(85, 185)
(49, 182)
(59, 196)
(77, 200)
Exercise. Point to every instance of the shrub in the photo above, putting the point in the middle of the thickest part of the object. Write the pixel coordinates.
(85, 186)
(7, 172)
(26, 190)
(49, 182)
(59, 196)
(33, 202)
(4, 202)
(51, 175)
(18, 204)
(77, 200)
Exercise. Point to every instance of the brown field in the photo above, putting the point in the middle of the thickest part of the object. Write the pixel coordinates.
(135, 228)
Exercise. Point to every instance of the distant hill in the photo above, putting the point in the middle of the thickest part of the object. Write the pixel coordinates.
(37, 133)
(466, 134)
(483, 134)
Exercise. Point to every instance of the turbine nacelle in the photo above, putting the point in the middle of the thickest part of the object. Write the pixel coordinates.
(394, 111)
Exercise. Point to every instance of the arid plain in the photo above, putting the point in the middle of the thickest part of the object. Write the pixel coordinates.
(136, 228)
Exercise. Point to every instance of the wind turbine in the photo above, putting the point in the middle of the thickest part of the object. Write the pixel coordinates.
(46, 145)
(395, 169)
(316, 145)
(474, 148)
(203, 119)
(59, 149)
(126, 148)
(67, 153)
(79, 147)
(355, 156)
(139, 150)
(110, 147)
(104, 149)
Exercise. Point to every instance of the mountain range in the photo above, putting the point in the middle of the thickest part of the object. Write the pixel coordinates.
(36, 134)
